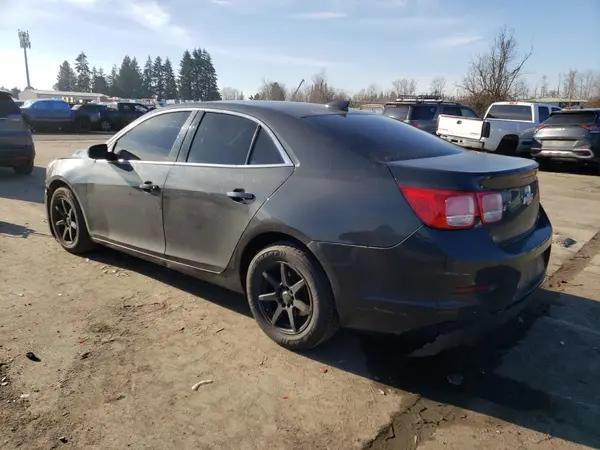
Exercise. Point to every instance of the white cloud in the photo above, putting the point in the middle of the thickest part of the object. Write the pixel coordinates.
(320, 15)
(458, 40)
(266, 56)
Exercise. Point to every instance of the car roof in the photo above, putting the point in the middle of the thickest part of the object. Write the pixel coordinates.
(266, 107)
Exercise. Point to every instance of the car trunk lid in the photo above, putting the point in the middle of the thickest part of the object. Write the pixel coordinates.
(567, 130)
(510, 184)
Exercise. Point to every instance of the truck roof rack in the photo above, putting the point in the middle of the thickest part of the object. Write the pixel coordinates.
(420, 99)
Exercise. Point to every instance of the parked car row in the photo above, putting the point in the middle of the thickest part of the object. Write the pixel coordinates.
(58, 115)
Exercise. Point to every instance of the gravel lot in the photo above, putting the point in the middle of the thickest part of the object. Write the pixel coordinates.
(121, 343)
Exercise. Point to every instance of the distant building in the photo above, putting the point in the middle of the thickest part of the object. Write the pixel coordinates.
(560, 102)
(74, 97)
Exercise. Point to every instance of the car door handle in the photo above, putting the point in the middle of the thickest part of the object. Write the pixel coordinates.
(149, 186)
(241, 196)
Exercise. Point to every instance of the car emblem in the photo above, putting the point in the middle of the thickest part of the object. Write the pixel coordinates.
(527, 196)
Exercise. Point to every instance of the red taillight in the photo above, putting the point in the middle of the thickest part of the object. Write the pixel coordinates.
(416, 125)
(539, 127)
(454, 210)
(595, 128)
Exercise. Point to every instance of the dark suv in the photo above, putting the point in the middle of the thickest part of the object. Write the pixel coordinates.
(422, 112)
(569, 136)
(16, 144)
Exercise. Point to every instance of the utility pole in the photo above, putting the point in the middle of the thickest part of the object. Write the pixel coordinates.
(25, 43)
(297, 89)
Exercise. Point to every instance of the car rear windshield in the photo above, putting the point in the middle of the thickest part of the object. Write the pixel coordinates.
(381, 138)
(423, 112)
(7, 106)
(397, 112)
(572, 118)
(510, 112)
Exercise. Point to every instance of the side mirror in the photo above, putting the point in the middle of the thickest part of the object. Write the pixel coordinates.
(98, 151)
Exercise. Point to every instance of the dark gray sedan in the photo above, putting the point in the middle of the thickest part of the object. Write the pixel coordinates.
(320, 215)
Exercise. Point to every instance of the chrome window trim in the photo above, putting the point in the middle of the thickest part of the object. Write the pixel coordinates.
(287, 162)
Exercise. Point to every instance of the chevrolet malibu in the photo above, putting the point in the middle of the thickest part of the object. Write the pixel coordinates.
(322, 216)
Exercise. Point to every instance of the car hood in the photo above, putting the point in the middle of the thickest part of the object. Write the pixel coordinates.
(81, 153)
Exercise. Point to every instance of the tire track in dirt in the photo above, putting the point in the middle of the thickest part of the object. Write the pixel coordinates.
(439, 404)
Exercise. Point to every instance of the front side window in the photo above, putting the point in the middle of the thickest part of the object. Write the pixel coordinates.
(153, 139)
(222, 139)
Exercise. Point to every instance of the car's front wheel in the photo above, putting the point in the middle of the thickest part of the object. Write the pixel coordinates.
(67, 222)
(290, 297)
(105, 125)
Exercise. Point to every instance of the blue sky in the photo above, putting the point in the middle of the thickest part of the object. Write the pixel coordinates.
(355, 42)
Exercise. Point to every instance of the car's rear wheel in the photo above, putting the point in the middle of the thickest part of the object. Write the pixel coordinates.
(290, 297)
(67, 222)
(82, 125)
(105, 125)
(25, 168)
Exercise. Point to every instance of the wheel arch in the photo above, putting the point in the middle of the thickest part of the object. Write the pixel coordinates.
(53, 185)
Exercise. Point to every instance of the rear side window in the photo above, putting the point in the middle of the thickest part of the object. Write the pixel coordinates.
(397, 112)
(510, 112)
(222, 139)
(574, 118)
(468, 112)
(423, 112)
(7, 106)
(264, 150)
(381, 138)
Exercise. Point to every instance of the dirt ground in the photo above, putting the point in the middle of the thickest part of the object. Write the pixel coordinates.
(118, 344)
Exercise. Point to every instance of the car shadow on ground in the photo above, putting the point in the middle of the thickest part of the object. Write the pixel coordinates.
(464, 378)
(27, 188)
(576, 169)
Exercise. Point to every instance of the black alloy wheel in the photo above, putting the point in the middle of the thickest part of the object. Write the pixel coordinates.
(67, 222)
(290, 297)
(284, 298)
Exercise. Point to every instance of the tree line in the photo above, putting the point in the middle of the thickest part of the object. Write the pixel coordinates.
(196, 78)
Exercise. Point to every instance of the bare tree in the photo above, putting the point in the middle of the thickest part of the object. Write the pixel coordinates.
(230, 93)
(589, 84)
(405, 86)
(271, 90)
(493, 76)
(438, 86)
(570, 84)
(544, 87)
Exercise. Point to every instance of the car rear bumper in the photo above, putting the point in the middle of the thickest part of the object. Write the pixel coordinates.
(577, 154)
(438, 288)
(11, 156)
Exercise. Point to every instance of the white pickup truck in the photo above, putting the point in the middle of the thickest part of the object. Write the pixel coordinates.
(500, 128)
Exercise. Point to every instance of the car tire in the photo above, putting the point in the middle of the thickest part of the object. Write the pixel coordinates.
(105, 125)
(65, 208)
(82, 126)
(301, 294)
(25, 169)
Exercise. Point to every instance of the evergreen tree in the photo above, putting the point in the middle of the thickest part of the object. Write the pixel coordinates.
(135, 79)
(82, 68)
(198, 74)
(186, 76)
(147, 91)
(158, 78)
(211, 87)
(100, 83)
(170, 81)
(113, 82)
(66, 79)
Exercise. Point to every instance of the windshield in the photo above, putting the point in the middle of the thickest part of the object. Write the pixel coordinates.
(397, 112)
(381, 138)
(510, 112)
(578, 118)
(28, 103)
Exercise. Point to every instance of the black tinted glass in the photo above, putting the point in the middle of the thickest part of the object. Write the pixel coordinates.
(153, 139)
(397, 112)
(510, 112)
(222, 139)
(423, 112)
(7, 106)
(452, 110)
(579, 118)
(544, 113)
(381, 138)
(264, 150)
